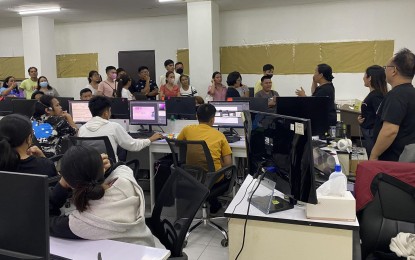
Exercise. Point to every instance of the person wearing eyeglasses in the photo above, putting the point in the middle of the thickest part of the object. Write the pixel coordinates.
(395, 125)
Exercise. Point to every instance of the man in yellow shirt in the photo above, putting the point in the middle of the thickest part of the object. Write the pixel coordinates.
(29, 85)
(268, 70)
(215, 140)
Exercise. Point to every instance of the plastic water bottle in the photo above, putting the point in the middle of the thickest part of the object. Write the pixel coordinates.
(338, 180)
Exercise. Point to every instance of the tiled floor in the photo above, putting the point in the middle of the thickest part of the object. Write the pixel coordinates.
(204, 242)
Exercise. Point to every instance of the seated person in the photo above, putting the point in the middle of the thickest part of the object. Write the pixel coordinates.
(267, 92)
(268, 70)
(215, 140)
(100, 125)
(106, 208)
(52, 125)
(235, 88)
(9, 88)
(37, 94)
(85, 94)
(17, 152)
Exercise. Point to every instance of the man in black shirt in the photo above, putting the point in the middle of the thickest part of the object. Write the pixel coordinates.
(395, 123)
(323, 87)
(145, 86)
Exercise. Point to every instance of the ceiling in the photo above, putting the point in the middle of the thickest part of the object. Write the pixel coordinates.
(98, 10)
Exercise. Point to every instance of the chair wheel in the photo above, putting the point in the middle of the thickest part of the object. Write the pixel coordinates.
(184, 243)
(224, 242)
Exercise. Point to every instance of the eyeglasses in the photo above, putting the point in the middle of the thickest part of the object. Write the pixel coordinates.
(388, 66)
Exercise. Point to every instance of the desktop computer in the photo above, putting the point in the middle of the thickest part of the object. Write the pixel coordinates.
(119, 108)
(147, 112)
(79, 111)
(64, 102)
(23, 106)
(181, 108)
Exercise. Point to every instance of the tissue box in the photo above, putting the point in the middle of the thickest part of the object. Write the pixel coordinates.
(333, 208)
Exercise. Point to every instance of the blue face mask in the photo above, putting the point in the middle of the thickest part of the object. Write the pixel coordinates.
(43, 84)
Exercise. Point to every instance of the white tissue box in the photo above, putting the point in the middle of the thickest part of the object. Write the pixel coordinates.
(333, 208)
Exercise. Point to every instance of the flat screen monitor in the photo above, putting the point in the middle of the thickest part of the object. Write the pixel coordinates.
(229, 114)
(24, 216)
(181, 108)
(148, 112)
(79, 111)
(281, 147)
(24, 106)
(314, 108)
(119, 108)
(64, 102)
(256, 104)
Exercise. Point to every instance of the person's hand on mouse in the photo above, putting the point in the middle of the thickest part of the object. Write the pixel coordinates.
(156, 136)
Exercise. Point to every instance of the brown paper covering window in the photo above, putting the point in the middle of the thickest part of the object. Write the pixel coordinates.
(76, 65)
(12, 66)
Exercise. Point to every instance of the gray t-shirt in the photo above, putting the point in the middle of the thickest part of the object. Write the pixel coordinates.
(263, 94)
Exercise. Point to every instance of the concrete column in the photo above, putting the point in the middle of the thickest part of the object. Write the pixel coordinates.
(203, 37)
(39, 46)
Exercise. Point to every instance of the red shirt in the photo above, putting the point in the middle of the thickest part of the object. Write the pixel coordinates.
(174, 92)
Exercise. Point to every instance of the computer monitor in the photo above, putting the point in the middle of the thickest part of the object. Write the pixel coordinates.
(64, 102)
(148, 112)
(24, 216)
(314, 108)
(79, 111)
(24, 106)
(181, 108)
(281, 147)
(256, 104)
(119, 108)
(229, 114)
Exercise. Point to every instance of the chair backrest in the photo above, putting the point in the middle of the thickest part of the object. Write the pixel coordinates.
(391, 211)
(173, 213)
(193, 156)
(101, 143)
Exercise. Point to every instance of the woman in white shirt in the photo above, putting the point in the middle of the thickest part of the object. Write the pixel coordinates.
(186, 90)
(124, 82)
(94, 79)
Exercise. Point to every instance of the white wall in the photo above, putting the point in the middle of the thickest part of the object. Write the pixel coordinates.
(325, 22)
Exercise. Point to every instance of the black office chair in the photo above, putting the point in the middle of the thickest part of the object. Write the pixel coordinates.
(195, 158)
(391, 211)
(174, 210)
(103, 145)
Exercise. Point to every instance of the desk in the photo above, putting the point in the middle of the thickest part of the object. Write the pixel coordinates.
(161, 146)
(287, 234)
(110, 249)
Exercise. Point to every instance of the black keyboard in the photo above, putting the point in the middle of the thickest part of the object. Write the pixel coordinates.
(56, 257)
(140, 135)
(232, 138)
(318, 143)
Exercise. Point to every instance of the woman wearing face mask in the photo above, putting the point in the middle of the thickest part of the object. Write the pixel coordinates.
(169, 89)
(51, 125)
(9, 88)
(17, 152)
(43, 85)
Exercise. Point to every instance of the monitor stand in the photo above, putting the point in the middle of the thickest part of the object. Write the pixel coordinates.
(146, 132)
(271, 203)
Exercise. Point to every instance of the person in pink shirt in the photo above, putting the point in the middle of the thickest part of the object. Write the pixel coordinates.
(108, 87)
(217, 90)
(169, 89)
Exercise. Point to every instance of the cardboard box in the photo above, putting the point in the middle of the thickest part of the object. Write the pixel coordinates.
(356, 158)
(333, 208)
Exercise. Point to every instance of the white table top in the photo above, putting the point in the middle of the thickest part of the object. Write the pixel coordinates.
(297, 215)
(110, 250)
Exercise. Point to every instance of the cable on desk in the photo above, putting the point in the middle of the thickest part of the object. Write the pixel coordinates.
(246, 217)
(243, 197)
(161, 129)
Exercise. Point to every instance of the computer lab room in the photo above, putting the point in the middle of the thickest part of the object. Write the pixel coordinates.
(207, 129)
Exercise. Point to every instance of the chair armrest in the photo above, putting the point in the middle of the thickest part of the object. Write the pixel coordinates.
(213, 177)
(136, 167)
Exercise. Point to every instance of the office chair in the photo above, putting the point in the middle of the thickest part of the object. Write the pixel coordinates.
(174, 210)
(195, 158)
(390, 212)
(103, 145)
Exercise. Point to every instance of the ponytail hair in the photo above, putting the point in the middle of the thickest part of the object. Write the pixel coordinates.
(83, 170)
(15, 129)
(326, 70)
(122, 81)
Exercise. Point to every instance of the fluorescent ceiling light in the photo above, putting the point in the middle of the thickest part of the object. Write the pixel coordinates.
(165, 1)
(40, 11)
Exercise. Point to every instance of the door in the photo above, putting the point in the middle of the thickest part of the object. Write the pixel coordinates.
(130, 61)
